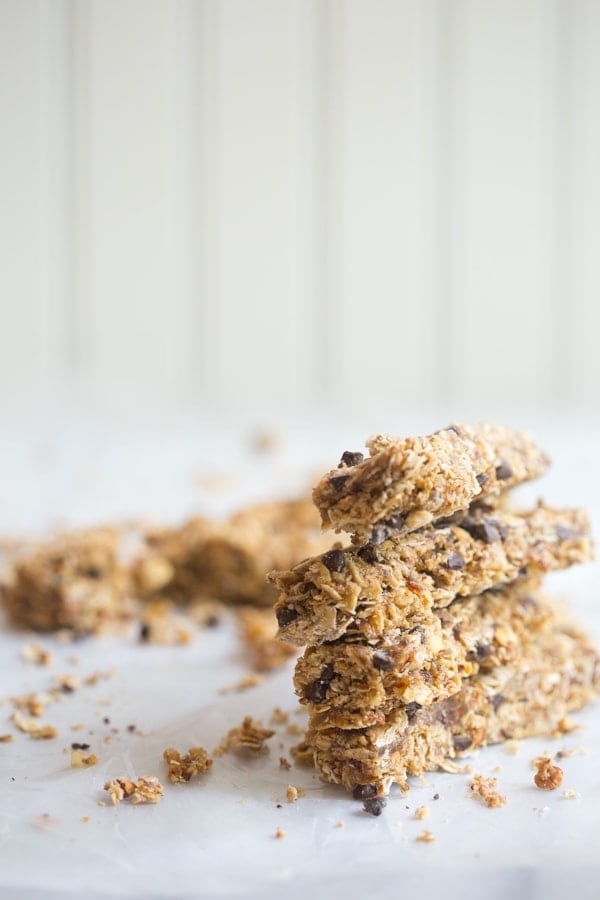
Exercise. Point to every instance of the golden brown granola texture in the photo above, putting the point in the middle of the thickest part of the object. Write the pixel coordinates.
(181, 768)
(355, 685)
(363, 594)
(406, 483)
(485, 789)
(556, 673)
(146, 789)
(248, 738)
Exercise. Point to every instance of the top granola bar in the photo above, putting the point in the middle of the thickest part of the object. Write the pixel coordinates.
(406, 483)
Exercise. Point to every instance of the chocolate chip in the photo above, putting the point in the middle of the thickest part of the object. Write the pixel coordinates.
(131, 728)
(350, 458)
(411, 708)
(382, 661)
(374, 806)
(563, 533)
(384, 528)
(334, 560)
(106, 720)
(367, 554)
(285, 616)
(337, 482)
(482, 479)
(497, 701)
(482, 529)
(364, 791)
(503, 471)
(436, 797)
(461, 743)
(145, 632)
(482, 651)
(419, 629)
(212, 621)
(76, 746)
(455, 561)
(317, 690)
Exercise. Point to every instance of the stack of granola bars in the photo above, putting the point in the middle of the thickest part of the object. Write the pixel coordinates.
(429, 637)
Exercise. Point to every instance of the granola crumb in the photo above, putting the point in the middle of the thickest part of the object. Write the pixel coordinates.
(182, 769)
(426, 837)
(85, 819)
(244, 684)
(280, 834)
(571, 751)
(147, 789)
(512, 746)
(30, 727)
(340, 824)
(68, 684)
(543, 810)
(33, 704)
(80, 761)
(485, 788)
(292, 793)
(6, 738)
(284, 763)
(249, 737)
(547, 776)
(498, 769)
(279, 717)
(294, 730)
(421, 812)
(36, 655)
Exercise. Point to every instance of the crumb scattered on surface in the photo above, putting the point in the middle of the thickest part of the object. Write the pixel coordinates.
(547, 776)
(249, 737)
(340, 824)
(292, 793)
(284, 763)
(147, 789)
(80, 761)
(244, 684)
(279, 717)
(6, 738)
(160, 624)
(280, 834)
(426, 837)
(485, 788)
(512, 746)
(570, 794)
(85, 819)
(31, 727)
(33, 704)
(36, 655)
(436, 797)
(182, 769)
(543, 810)
(374, 806)
(421, 812)
(571, 751)
(294, 730)
(68, 684)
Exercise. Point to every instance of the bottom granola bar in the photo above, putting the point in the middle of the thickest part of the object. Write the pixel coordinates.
(557, 673)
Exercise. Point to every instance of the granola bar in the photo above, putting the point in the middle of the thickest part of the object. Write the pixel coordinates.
(557, 673)
(356, 685)
(407, 483)
(230, 560)
(368, 592)
(75, 581)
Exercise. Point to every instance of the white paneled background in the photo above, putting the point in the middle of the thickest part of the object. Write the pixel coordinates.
(288, 201)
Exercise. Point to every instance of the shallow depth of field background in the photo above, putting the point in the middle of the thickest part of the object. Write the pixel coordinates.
(275, 204)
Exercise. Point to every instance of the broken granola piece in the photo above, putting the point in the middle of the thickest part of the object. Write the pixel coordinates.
(547, 776)
(36, 654)
(485, 788)
(426, 837)
(377, 592)
(407, 483)
(421, 812)
(249, 737)
(6, 738)
(556, 673)
(147, 789)
(74, 581)
(183, 768)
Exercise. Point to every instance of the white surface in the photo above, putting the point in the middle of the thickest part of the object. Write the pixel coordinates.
(232, 197)
(216, 838)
